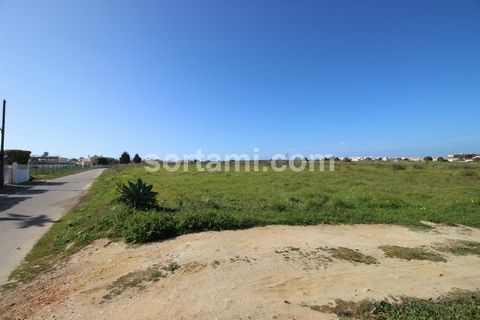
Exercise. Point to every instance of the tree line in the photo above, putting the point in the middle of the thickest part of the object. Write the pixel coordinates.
(124, 159)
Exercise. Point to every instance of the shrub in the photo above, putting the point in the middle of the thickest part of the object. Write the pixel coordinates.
(138, 195)
(210, 220)
(428, 159)
(18, 156)
(125, 158)
(398, 166)
(469, 173)
(148, 226)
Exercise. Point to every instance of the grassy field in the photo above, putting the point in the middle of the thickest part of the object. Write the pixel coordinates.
(193, 201)
(353, 193)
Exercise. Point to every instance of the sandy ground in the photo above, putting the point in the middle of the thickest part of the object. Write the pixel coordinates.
(272, 272)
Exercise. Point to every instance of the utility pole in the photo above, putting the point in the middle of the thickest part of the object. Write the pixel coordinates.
(2, 150)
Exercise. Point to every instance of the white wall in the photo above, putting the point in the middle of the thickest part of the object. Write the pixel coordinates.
(7, 174)
(16, 173)
(22, 173)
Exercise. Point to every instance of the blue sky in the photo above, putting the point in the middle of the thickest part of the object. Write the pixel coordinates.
(159, 77)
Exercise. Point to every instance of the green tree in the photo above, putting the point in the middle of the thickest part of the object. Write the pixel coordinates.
(137, 158)
(101, 161)
(428, 158)
(18, 156)
(125, 158)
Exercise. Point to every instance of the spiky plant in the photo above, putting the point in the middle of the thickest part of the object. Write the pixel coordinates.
(138, 195)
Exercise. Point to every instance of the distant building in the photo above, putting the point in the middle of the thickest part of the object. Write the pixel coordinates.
(48, 160)
(414, 158)
(461, 157)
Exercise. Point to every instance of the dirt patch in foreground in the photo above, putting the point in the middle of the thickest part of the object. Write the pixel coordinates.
(261, 273)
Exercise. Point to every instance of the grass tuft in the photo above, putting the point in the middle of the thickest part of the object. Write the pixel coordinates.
(462, 248)
(464, 305)
(138, 279)
(347, 254)
(406, 253)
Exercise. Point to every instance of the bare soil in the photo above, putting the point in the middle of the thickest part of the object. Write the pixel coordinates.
(274, 272)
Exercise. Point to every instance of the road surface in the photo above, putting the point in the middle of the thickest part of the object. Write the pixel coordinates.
(28, 211)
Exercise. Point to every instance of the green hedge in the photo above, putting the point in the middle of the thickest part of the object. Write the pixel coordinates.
(18, 156)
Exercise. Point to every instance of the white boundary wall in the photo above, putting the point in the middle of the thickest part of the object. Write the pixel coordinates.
(16, 173)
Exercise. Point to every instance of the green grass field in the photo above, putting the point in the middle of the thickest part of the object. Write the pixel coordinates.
(194, 201)
(353, 193)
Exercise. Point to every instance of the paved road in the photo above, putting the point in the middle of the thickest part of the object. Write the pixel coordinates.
(27, 212)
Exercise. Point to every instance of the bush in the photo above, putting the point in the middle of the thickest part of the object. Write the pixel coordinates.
(210, 220)
(428, 159)
(18, 156)
(138, 195)
(398, 166)
(148, 226)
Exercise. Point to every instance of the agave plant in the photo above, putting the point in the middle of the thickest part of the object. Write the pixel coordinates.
(138, 195)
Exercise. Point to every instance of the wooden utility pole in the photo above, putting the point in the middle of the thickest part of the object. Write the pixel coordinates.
(2, 150)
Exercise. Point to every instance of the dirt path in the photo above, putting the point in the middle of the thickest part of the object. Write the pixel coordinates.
(275, 272)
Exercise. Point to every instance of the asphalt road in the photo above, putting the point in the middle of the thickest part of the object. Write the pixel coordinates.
(28, 211)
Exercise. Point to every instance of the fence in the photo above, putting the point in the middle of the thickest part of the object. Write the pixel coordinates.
(45, 169)
(16, 173)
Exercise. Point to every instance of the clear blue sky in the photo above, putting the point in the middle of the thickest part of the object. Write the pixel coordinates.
(340, 77)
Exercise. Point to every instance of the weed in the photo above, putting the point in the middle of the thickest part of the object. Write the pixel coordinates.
(149, 226)
(172, 267)
(469, 173)
(135, 279)
(406, 253)
(463, 305)
(347, 254)
(138, 279)
(462, 248)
